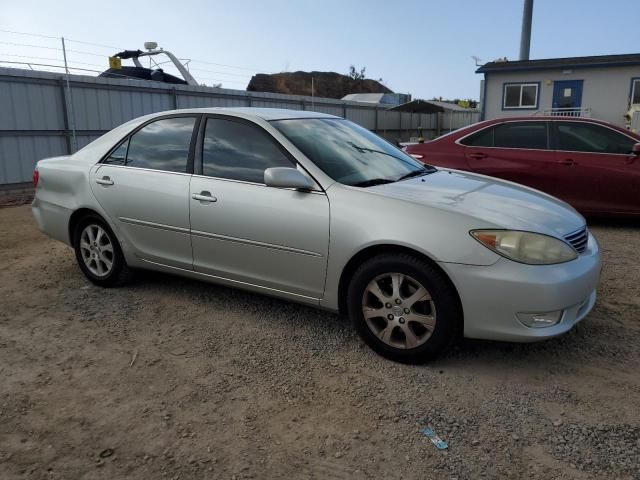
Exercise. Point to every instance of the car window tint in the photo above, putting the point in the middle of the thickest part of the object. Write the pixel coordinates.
(118, 156)
(521, 135)
(162, 145)
(239, 151)
(484, 138)
(589, 137)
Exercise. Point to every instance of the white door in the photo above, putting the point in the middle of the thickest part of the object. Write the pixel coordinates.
(247, 232)
(144, 188)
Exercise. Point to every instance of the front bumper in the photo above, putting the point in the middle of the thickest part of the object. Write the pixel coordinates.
(492, 295)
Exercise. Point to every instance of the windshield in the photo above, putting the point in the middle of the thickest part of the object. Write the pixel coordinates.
(348, 153)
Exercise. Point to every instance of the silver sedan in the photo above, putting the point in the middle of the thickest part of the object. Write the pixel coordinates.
(316, 209)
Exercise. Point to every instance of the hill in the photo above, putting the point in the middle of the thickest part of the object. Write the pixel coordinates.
(325, 84)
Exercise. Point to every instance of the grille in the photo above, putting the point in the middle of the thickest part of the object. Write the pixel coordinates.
(578, 240)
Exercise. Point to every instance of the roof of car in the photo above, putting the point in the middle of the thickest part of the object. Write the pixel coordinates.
(264, 113)
(556, 118)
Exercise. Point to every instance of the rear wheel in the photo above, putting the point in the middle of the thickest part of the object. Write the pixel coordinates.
(98, 253)
(403, 307)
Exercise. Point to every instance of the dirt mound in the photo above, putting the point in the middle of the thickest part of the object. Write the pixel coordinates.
(325, 84)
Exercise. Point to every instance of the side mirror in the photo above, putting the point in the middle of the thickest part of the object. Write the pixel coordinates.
(285, 177)
(635, 150)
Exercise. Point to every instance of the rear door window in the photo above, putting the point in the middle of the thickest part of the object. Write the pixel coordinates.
(589, 137)
(531, 135)
(162, 145)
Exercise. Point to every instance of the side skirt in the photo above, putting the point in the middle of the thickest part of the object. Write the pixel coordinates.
(294, 297)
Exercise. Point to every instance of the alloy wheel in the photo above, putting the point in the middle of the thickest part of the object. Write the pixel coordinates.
(399, 310)
(97, 250)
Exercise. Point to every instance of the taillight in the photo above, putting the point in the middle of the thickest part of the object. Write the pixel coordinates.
(35, 178)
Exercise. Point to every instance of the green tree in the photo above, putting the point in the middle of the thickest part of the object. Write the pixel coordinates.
(354, 74)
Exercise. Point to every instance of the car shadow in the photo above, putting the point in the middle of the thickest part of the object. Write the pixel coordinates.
(584, 341)
(613, 222)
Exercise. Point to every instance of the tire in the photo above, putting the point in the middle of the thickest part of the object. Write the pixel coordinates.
(101, 261)
(411, 323)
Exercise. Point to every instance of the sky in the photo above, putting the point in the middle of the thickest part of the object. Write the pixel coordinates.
(422, 47)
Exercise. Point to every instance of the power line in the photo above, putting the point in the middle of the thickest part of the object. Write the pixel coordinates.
(28, 45)
(14, 32)
(2, 54)
(93, 54)
(220, 73)
(228, 66)
(113, 74)
(110, 47)
(49, 65)
(29, 34)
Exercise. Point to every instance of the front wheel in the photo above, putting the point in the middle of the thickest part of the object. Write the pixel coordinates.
(403, 307)
(98, 253)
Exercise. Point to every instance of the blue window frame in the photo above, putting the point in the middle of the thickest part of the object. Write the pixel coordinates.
(520, 96)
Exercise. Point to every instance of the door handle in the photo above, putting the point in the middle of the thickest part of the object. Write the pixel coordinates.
(568, 162)
(204, 196)
(478, 155)
(104, 181)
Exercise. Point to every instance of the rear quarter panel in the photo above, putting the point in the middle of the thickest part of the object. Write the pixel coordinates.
(62, 189)
(63, 186)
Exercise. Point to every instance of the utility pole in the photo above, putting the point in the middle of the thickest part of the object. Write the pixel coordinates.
(72, 117)
(525, 37)
(312, 95)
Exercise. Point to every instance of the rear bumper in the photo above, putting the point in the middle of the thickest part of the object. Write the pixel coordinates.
(493, 295)
(52, 219)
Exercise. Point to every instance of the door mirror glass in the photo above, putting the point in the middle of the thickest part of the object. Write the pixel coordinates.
(286, 177)
(635, 150)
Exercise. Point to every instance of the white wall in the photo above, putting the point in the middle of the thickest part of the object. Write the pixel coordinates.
(605, 90)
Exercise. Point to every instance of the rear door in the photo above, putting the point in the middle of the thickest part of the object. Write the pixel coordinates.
(144, 187)
(598, 173)
(244, 231)
(517, 151)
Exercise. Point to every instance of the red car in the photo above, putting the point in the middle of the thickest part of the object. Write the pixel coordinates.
(590, 164)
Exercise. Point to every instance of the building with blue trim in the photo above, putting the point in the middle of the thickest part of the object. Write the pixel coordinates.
(606, 87)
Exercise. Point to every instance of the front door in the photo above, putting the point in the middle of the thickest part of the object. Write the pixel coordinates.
(515, 150)
(143, 186)
(567, 96)
(244, 231)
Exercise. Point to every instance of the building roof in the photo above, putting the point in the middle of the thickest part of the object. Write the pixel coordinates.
(564, 63)
(364, 97)
(429, 106)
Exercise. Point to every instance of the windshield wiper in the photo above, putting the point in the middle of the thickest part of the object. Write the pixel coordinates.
(417, 173)
(373, 150)
(372, 182)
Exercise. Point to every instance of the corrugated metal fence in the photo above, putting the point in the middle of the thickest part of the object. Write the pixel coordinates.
(40, 117)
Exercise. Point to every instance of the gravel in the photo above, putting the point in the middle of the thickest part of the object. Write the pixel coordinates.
(179, 379)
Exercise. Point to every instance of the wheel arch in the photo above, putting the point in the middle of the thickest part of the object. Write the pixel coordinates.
(371, 251)
(78, 215)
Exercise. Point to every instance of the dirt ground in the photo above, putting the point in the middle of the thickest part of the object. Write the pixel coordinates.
(172, 378)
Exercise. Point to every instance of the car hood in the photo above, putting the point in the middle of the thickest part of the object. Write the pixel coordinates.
(499, 203)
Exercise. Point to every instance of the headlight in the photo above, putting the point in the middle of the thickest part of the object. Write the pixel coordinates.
(526, 247)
